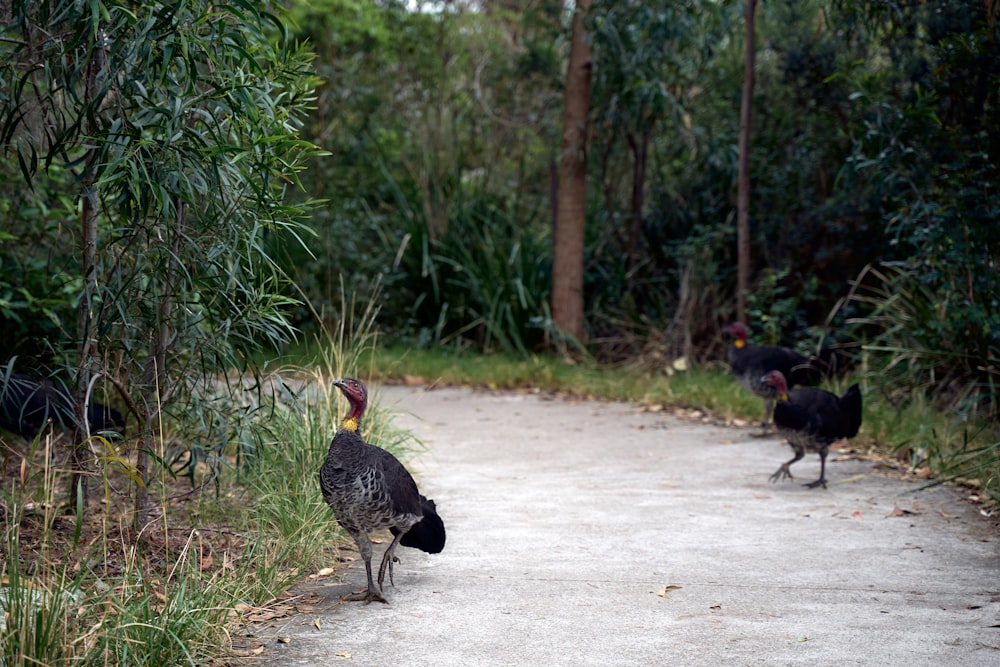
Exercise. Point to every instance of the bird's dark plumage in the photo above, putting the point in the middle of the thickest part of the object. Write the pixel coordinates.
(812, 420)
(27, 406)
(428, 534)
(750, 363)
(368, 489)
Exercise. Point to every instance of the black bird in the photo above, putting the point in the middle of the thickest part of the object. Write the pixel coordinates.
(369, 489)
(812, 420)
(27, 406)
(750, 363)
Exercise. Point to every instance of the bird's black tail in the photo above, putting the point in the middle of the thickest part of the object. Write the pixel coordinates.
(850, 404)
(428, 533)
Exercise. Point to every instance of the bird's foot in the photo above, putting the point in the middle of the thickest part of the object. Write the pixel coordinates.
(366, 595)
(387, 565)
(782, 473)
(818, 482)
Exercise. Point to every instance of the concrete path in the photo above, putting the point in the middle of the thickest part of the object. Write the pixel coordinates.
(590, 533)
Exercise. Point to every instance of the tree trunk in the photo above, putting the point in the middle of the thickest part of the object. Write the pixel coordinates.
(639, 145)
(155, 378)
(743, 183)
(567, 241)
(82, 463)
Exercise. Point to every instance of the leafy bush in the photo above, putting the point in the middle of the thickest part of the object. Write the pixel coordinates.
(486, 281)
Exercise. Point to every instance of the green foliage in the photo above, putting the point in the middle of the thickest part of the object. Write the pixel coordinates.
(917, 343)
(168, 134)
(772, 309)
(437, 125)
(39, 282)
(927, 147)
(486, 281)
(651, 65)
(35, 621)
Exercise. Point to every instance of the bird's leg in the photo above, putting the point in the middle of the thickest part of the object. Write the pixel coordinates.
(765, 426)
(768, 412)
(388, 559)
(371, 593)
(783, 472)
(822, 472)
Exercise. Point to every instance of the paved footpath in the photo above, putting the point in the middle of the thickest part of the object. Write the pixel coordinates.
(593, 533)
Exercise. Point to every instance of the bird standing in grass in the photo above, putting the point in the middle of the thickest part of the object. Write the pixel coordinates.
(812, 420)
(27, 406)
(750, 363)
(369, 489)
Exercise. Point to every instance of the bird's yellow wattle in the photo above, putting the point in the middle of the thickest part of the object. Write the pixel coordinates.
(350, 424)
(740, 344)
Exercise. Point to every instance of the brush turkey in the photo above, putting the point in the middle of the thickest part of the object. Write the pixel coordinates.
(27, 406)
(368, 489)
(812, 420)
(750, 363)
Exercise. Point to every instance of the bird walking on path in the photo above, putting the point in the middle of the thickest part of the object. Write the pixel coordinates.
(368, 489)
(812, 420)
(750, 363)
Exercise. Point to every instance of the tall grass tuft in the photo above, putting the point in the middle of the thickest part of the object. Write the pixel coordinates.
(923, 357)
(36, 612)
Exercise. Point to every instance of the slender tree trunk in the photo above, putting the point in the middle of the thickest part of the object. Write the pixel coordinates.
(743, 183)
(81, 462)
(155, 378)
(639, 145)
(567, 242)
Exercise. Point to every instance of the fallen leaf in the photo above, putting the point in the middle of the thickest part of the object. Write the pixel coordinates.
(316, 624)
(265, 616)
(258, 650)
(898, 511)
(284, 640)
(343, 654)
(670, 587)
(856, 514)
(945, 515)
(325, 572)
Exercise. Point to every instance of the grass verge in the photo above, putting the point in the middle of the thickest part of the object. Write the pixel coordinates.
(80, 587)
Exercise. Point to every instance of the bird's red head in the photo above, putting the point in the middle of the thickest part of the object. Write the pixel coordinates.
(777, 380)
(357, 396)
(739, 330)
